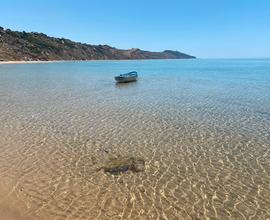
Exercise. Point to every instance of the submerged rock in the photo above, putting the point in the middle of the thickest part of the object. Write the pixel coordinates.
(123, 164)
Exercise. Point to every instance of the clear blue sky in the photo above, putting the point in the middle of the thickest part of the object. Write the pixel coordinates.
(204, 28)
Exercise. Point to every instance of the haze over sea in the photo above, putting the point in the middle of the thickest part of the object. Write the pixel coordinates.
(202, 127)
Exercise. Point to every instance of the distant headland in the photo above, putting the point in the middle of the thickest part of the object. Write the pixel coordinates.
(23, 46)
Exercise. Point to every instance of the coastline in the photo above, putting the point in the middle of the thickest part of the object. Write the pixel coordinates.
(34, 61)
(62, 61)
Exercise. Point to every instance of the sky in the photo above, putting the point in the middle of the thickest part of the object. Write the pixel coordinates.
(203, 28)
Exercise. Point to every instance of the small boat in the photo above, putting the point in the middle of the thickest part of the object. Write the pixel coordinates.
(127, 77)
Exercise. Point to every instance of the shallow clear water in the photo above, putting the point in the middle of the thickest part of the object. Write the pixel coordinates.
(202, 126)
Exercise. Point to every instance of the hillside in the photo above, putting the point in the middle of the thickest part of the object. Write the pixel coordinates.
(17, 46)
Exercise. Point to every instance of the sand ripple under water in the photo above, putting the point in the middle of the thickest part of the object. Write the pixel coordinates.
(205, 142)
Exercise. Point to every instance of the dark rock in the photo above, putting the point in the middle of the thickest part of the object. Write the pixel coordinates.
(123, 164)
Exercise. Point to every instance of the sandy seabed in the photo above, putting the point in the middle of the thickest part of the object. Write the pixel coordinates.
(204, 141)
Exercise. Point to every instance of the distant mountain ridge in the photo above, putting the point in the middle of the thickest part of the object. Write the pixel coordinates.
(23, 46)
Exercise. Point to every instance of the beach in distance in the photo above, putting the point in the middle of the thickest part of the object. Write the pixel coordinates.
(25, 62)
(189, 140)
(40, 61)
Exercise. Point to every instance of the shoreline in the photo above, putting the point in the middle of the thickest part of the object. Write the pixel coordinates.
(34, 61)
(62, 61)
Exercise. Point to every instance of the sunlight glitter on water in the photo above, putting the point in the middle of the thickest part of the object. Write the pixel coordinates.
(201, 126)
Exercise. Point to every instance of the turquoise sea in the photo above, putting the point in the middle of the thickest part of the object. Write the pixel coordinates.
(201, 126)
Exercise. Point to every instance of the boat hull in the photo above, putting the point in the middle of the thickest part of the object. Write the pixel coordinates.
(120, 79)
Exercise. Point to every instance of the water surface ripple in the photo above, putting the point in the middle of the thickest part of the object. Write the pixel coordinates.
(202, 126)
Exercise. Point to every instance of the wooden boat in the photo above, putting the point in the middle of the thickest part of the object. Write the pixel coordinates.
(127, 77)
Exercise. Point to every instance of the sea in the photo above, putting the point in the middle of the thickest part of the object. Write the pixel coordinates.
(201, 126)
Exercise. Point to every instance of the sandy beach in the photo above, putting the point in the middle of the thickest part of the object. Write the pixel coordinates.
(62, 61)
(34, 61)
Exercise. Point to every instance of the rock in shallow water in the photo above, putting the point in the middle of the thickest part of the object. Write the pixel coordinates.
(123, 164)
